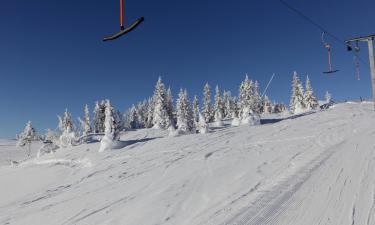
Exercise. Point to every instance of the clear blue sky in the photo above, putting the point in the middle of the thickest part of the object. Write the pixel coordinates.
(52, 56)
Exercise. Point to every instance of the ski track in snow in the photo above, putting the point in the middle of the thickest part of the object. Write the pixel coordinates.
(313, 169)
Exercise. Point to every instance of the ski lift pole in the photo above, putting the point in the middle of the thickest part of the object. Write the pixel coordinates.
(369, 39)
(269, 82)
(372, 65)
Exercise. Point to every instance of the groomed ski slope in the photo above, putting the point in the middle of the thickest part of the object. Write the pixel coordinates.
(314, 169)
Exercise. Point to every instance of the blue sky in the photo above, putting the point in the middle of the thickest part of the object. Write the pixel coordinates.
(52, 56)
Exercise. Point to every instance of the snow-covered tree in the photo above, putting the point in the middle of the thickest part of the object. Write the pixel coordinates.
(282, 107)
(247, 103)
(150, 112)
(310, 101)
(99, 117)
(228, 105)
(275, 108)
(267, 106)
(80, 129)
(170, 110)
(161, 119)
(67, 130)
(249, 117)
(65, 122)
(112, 128)
(235, 107)
(50, 136)
(184, 112)
(138, 115)
(219, 109)
(145, 106)
(202, 125)
(206, 107)
(25, 138)
(133, 118)
(87, 128)
(245, 96)
(196, 109)
(297, 104)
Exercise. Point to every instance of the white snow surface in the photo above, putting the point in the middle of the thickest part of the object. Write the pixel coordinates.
(317, 168)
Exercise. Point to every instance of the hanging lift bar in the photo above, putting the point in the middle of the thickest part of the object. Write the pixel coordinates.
(124, 30)
(329, 50)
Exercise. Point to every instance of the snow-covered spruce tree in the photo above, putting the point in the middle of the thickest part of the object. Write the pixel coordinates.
(196, 110)
(202, 125)
(227, 104)
(50, 137)
(283, 107)
(145, 113)
(184, 112)
(133, 118)
(150, 112)
(170, 110)
(245, 94)
(51, 143)
(190, 113)
(120, 123)
(25, 138)
(247, 101)
(267, 106)
(235, 107)
(141, 111)
(87, 128)
(67, 130)
(236, 114)
(219, 109)
(80, 129)
(297, 104)
(112, 128)
(206, 107)
(310, 101)
(274, 107)
(161, 119)
(99, 117)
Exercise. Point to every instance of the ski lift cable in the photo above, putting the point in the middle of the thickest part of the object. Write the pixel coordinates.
(269, 82)
(320, 27)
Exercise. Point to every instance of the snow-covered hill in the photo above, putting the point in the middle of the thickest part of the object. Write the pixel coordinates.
(314, 169)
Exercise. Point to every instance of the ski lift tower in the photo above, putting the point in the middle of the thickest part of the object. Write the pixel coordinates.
(369, 40)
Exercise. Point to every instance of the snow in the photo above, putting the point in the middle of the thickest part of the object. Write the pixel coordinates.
(317, 168)
(10, 151)
(236, 122)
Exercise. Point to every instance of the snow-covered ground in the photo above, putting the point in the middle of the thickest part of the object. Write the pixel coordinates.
(314, 169)
(9, 151)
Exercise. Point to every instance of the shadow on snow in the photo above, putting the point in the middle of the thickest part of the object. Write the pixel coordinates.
(271, 121)
(123, 144)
